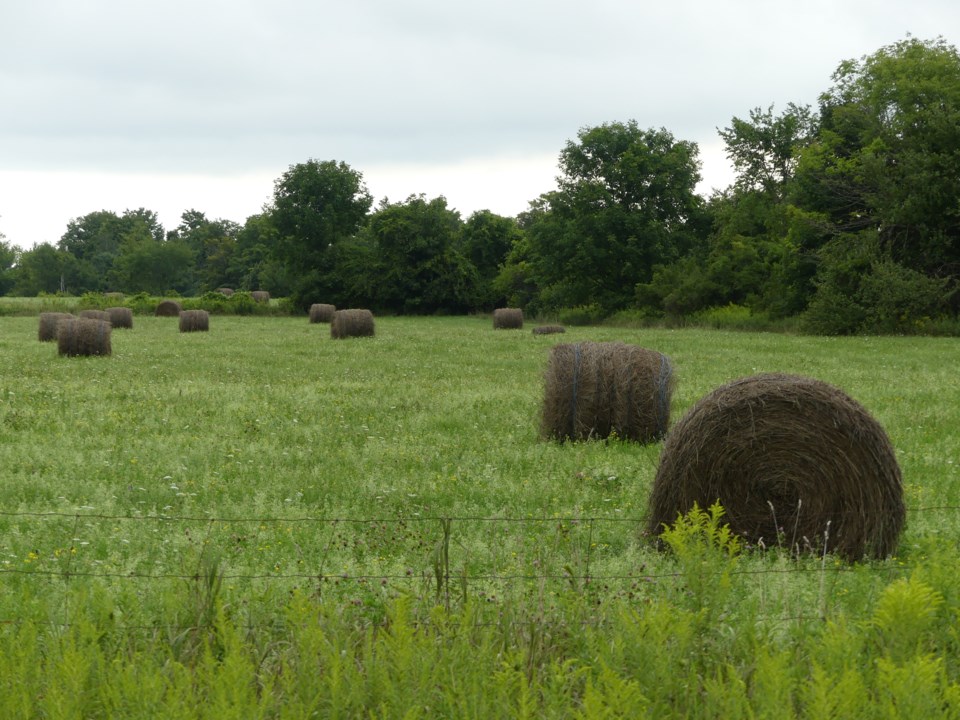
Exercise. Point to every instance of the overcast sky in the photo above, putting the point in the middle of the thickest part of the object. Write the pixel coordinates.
(203, 104)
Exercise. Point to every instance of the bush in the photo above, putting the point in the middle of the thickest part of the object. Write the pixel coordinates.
(581, 315)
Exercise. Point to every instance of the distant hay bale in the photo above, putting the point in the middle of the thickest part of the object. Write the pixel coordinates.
(351, 323)
(225, 291)
(793, 461)
(120, 317)
(48, 325)
(95, 315)
(83, 336)
(168, 308)
(322, 312)
(595, 390)
(260, 296)
(507, 319)
(549, 329)
(114, 295)
(194, 321)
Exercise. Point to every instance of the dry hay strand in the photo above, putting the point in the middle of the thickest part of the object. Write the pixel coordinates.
(194, 321)
(168, 308)
(225, 291)
(793, 461)
(260, 296)
(549, 329)
(351, 323)
(95, 315)
(596, 390)
(120, 317)
(322, 312)
(83, 336)
(48, 325)
(507, 319)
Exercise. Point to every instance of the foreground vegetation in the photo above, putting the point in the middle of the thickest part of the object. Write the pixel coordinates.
(260, 521)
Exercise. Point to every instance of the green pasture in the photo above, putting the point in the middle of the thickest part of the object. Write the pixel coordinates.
(260, 521)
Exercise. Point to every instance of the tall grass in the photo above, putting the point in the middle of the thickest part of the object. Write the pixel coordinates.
(264, 522)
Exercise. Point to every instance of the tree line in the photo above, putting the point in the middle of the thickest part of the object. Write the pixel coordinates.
(846, 215)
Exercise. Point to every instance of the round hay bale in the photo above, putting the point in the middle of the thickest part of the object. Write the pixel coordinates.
(83, 336)
(120, 317)
(194, 321)
(549, 329)
(260, 296)
(594, 390)
(95, 315)
(351, 323)
(48, 325)
(225, 291)
(322, 313)
(507, 319)
(168, 308)
(793, 461)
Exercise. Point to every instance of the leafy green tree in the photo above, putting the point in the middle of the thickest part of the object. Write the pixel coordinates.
(254, 262)
(44, 269)
(9, 256)
(213, 244)
(155, 267)
(419, 267)
(625, 204)
(486, 240)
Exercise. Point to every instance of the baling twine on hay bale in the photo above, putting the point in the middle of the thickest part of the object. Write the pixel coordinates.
(168, 308)
(260, 296)
(351, 323)
(83, 336)
(48, 325)
(795, 462)
(549, 329)
(322, 312)
(194, 321)
(507, 319)
(595, 390)
(120, 317)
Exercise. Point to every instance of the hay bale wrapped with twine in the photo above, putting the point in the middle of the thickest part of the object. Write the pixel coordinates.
(260, 296)
(507, 319)
(83, 336)
(194, 321)
(549, 329)
(48, 325)
(793, 461)
(594, 390)
(168, 308)
(120, 317)
(351, 323)
(322, 312)
(95, 315)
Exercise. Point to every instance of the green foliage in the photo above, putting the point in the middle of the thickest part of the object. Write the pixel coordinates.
(583, 315)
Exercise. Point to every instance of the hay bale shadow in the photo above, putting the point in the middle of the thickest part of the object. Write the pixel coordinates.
(794, 462)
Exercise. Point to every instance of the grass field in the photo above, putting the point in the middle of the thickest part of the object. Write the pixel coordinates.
(260, 521)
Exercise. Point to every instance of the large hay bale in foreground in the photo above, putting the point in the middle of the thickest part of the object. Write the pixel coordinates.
(120, 317)
(95, 315)
(168, 308)
(322, 312)
(260, 296)
(351, 323)
(549, 329)
(83, 336)
(194, 321)
(48, 325)
(793, 461)
(594, 390)
(507, 319)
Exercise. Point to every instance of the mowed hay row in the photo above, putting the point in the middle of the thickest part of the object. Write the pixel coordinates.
(322, 312)
(351, 323)
(793, 461)
(194, 321)
(120, 317)
(168, 308)
(83, 336)
(260, 296)
(95, 315)
(549, 329)
(48, 325)
(595, 390)
(507, 319)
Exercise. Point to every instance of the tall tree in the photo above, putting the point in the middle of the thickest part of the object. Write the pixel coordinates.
(487, 239)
